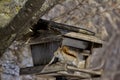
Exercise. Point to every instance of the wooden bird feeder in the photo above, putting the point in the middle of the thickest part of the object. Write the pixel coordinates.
(49, 40)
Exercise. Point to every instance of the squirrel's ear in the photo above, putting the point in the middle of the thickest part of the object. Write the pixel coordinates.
(65, 47)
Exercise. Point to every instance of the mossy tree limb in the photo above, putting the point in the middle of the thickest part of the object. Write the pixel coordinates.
(28, 15)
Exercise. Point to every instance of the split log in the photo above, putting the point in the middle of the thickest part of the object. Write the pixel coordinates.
(62, 27)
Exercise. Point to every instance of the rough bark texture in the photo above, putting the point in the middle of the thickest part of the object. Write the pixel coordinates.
(20, 21)
(27, 16)
(101, 16)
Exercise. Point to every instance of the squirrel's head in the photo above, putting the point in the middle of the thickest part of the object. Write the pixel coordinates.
(64, 48)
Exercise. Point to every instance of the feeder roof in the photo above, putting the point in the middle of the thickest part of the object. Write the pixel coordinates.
(84, 37)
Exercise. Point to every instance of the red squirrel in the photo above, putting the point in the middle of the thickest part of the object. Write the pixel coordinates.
(65, 54)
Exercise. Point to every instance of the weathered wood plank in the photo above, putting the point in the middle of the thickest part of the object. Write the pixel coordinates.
(94, 73)
(31, 70)
(74, 75)
(75, 43)
(64, 27)
(41, 70)
(88, 38)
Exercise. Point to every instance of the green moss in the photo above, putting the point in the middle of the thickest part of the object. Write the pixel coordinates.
(8, 9)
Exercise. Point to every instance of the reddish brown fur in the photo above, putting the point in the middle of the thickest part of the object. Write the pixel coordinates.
(67, 51)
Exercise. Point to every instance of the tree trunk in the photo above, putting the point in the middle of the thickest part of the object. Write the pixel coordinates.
(27, 16)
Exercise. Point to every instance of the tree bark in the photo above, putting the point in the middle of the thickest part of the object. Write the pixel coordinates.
(27, 16)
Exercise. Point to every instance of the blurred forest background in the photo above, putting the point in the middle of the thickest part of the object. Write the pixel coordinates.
(100, 16)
